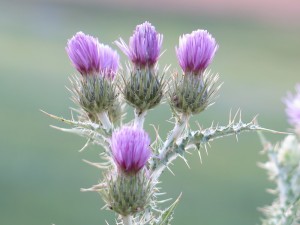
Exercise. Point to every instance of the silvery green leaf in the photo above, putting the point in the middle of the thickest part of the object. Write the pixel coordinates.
(167, 215)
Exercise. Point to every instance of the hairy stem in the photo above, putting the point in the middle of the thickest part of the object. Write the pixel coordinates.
(166, 153)
(104, 119)
(139, 118)
(127, 220)
(178, 129)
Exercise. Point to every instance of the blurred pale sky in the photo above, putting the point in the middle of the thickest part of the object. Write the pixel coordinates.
(280, 12)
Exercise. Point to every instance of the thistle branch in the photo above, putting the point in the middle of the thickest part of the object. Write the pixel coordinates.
(200, 138)
(88, 125)
(174, 134)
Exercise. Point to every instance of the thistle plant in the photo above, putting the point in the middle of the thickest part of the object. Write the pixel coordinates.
(283, 168)
(131, 162)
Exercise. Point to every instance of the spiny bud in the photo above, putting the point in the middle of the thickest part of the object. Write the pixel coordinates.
(195, 90)
(98, 65)
(193, 94)
(94, 94)
(128, 186)
(143, 87)
(127, 195)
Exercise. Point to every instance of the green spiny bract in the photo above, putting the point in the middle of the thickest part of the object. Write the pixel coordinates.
(127, 194)
(143, 88)
(193, 94)
(95, 94)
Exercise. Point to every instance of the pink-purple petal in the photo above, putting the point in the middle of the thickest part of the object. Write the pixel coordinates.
(196, 51)
(144, 45)
(90, 57)
(130, 148)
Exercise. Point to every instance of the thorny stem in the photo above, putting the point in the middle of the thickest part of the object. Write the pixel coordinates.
(139, 118)
(165, 153)
(103, 117)
(127, 220)
(178, 128)
(197, 139)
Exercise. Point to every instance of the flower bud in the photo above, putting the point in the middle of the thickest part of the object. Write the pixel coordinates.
(144, 46)
(196, 51)
(98, 65)
(195, 90)
(130, 149)
(143, 88)
(129, 187)
(90, 57)
(83, 51)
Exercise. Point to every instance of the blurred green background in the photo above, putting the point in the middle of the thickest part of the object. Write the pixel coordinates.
(41, 170)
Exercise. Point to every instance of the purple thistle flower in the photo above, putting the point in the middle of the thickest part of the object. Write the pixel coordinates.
(84, 52)
(144, 45)
(196, 51)
(90, 57)
(130, 148)
(293, 108)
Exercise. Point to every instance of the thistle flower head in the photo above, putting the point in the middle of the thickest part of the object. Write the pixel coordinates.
(196, 51)
(83, 51)
(144, 45)
(90, 57)
(292, 109)
(130, 149)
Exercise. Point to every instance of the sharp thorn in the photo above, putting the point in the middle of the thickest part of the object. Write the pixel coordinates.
(199, 153)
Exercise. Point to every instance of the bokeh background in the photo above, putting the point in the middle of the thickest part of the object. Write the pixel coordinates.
(41, 170)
